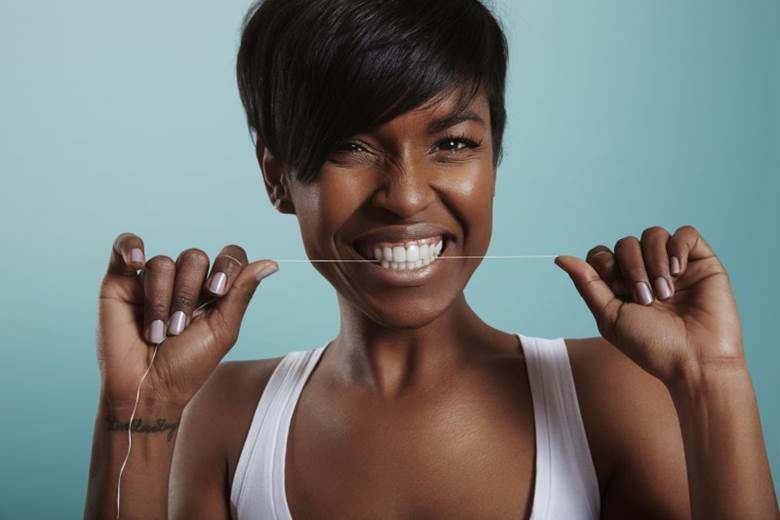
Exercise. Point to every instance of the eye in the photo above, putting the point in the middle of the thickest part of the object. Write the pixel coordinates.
(457, 143)
(349, 152)
(349, 146)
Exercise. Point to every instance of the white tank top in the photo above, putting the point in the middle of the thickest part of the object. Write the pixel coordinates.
(565, 487)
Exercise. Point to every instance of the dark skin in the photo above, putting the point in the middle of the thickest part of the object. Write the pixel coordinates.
(418, 408)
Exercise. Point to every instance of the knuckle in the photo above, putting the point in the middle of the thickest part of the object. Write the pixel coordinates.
(161, 263)
(654, 231)
(222, 330)
(626, 241)
(158, 308)
(597, 250)
(195, 255)
(636, 274)
(687, 228)
(235, 251)
(246, 292)
(183, 300)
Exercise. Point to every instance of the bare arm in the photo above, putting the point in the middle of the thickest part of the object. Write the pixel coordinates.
(637, 431)
(666, 302)
(144, 488)
(728, 469)
(158, 317)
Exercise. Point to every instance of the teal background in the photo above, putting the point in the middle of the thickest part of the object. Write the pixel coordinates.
(124, 116)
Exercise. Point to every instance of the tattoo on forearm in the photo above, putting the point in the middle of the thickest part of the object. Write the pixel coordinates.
(138, 426)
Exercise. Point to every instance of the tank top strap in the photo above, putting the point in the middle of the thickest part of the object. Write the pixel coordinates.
(566, 485)
(261, 462)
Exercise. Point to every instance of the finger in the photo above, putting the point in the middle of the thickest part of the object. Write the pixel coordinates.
(654, 241)
(158, 282)
(687, 244)
(594, 290)
(127, 255)
(228, 264)
(603, 261)
(230, 308)
(632, 266)
(191, 268)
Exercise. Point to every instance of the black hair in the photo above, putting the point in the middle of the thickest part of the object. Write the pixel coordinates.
(313, 73)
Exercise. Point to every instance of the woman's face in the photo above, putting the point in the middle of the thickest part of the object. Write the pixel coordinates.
(398, 191)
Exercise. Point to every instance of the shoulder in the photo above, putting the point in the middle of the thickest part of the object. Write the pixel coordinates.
(234, 382)
(228, 397)
(211, 435)
(632, 427)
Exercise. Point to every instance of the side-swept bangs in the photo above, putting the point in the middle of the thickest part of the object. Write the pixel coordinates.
(313, 73)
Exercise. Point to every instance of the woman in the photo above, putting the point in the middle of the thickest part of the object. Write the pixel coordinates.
(379, 124)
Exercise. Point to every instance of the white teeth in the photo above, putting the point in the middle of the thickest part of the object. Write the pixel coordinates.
(412, 253)
(404, 258)
(425, 252)
(399, 254)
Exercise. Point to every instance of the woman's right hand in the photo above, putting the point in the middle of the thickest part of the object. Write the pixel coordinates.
(137, 310)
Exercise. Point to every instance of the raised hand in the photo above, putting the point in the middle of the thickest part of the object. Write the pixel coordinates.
(140, 310)
(664, 300)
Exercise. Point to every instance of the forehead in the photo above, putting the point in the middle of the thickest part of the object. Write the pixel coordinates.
(444, 110)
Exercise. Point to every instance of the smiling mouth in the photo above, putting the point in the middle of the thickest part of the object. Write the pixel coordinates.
(407, 255)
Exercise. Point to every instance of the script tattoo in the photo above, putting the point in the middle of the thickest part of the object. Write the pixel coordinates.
(138, 426)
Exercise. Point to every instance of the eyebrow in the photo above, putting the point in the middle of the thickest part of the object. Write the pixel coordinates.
(438, 125)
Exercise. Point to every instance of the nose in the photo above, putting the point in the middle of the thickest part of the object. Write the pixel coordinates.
(406, 190)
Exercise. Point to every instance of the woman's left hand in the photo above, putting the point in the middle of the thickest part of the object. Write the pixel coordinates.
(664, 300)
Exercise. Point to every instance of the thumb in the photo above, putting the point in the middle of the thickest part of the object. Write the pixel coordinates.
(232, 306)
(597, 295)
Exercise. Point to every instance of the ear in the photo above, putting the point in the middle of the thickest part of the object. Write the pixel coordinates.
(274, 178)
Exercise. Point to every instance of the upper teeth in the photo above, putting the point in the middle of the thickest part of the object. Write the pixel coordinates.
(410, 254)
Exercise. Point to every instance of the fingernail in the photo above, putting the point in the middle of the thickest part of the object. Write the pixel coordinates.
(675, 265)
(136, 255)
(643, 294)
(662, 288)
(265, 272)
(157, 331)
(177, 323)
(218, 281)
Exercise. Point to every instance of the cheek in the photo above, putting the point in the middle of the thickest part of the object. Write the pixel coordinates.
(470, 194)
(326, 206)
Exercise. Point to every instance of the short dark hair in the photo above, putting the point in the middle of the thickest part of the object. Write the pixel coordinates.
(313, 73)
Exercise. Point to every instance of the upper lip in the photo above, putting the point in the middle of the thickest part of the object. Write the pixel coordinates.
(402, 233)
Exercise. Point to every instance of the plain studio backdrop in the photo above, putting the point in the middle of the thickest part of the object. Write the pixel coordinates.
(124, 116)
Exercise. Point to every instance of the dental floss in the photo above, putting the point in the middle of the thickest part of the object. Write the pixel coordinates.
(282, 260)
(437, 258)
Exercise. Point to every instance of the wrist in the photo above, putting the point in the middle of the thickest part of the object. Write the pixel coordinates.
(122, 408)
(155, 422)
(699, 379)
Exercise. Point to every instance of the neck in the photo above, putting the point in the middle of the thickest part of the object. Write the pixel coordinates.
(391, 361)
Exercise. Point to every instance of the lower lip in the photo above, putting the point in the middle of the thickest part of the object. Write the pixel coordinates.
(405, 277)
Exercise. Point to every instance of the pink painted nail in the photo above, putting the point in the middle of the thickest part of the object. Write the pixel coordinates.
(265, 272)
(675, 265)
(662, 288)
(218, 282)
(136, 255)
(156, 331)
(643, 294)
(177, 323)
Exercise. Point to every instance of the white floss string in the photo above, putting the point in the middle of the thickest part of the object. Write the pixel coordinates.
(437, 258)
(281, 260)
